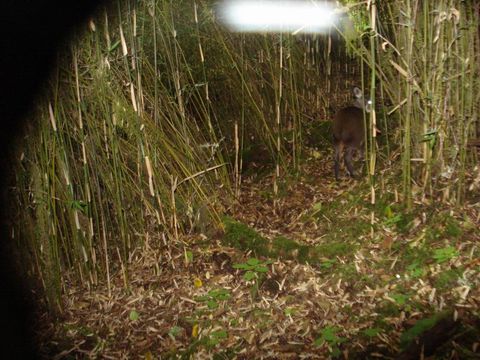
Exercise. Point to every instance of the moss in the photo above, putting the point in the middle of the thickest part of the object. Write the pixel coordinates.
(417, 256)
(347, 271)
(443, 226)
(355, 229)
(366, 280)
(446, 279)
(452, 228)
(388, 309)
(289, 249)
(432, 234)
(333, 249)
(242, 237)
(284, 246)
(304, 255)
(405, 223)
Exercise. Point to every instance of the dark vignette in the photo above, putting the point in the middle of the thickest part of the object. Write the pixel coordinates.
(31, 32)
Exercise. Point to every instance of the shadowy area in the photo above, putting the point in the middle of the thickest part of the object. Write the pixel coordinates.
(31, 34)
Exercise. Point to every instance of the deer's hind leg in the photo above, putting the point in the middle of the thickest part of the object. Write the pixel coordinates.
(338, 153)
(348, 160)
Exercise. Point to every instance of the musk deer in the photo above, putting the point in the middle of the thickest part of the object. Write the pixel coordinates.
(349, 131)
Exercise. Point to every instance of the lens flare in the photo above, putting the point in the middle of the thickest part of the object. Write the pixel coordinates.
(277, 16)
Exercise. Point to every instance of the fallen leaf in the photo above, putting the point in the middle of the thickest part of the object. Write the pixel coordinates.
(197, 283)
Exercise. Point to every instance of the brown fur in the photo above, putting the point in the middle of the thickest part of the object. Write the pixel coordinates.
(348, 133)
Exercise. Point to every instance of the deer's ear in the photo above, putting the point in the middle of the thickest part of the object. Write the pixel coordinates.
(357, 92)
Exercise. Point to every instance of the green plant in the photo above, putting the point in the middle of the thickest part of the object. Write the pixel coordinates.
(209, 341)
(133, 316)
(214, 338)
(400, 299)
(452, 228)
(289, 311)
(447, 279)
(316, 210)
(416, 270)
(327, 263)
(174, 331)
(371, 332)
(188, 257)
(253, 268)
(79, 205)
(403, 222)
(395, 219)
(391, 217)
(329, 336)
(445, 254)
(430, 137)
(213, 297)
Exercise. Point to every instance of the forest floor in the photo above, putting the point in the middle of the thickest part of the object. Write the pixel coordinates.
(304, 274)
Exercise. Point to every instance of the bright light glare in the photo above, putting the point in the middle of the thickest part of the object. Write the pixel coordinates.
(278, 16)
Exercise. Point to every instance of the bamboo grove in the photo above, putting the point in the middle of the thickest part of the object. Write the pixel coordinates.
(154, 112)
